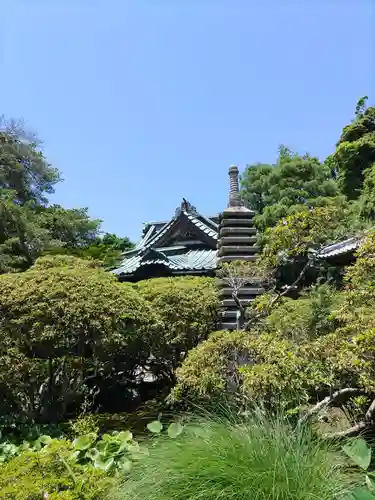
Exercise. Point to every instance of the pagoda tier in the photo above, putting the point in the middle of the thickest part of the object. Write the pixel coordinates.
(237, 242)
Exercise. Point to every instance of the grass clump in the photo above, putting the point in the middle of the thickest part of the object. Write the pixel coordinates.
(262, 459)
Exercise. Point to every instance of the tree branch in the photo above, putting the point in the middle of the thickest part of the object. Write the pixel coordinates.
(351, 432)
(279, 296)
(242, 310)
(344, 394)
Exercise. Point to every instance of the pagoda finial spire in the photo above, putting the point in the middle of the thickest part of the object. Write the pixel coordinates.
(234, 189)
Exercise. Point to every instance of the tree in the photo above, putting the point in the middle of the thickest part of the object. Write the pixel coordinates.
(29, 226)
(355, 151)
(27, 231)
(22, 238)
(23, 168)
(72, 227)
(366, 202)
(107, 249)
(317, 349)
(68, 331)
(293, 184)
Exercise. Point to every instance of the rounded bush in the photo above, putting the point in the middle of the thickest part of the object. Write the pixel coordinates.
(65, 327)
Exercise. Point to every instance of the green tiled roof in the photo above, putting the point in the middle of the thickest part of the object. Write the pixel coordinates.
(177, 257)
(192, 260)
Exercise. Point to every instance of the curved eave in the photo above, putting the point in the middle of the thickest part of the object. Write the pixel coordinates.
(341, 248)
(193, 260)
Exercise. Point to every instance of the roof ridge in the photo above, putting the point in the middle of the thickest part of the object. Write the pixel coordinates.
(195, 220)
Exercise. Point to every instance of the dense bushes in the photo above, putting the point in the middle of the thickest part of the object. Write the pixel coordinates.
(303, 351)
(186, 308)
(267, 368)
(72, 334)
(65, 328)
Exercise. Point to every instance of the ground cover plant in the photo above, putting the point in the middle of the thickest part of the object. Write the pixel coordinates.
(258, 459)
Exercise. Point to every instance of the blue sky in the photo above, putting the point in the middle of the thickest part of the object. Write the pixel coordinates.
(142, 102)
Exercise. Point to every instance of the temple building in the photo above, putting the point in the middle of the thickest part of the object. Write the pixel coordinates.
(341, 253)
(191, 244)
(184, 245)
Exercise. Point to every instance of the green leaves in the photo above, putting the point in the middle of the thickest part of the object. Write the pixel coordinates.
(104, 462)
(67, 306)
(112, 452)
(174, 430)
(355, 152)
(294, 183)
(84, 442)
(361, 494)
(155, 427)
(359, 452)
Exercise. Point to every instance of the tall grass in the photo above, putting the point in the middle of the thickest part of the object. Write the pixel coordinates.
(263, 459)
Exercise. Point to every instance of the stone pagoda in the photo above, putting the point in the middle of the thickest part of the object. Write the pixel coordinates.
(236, 242)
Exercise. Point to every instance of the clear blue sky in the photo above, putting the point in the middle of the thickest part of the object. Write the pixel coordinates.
(142, 102)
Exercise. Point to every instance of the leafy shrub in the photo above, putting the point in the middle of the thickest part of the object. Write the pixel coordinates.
(307, 317)
(273, 370)
(187, 311)
(259, 460)
(187, 307)
(305, 349)
(66, 328)
(206, 373)
(84, 424)
(80, 469)
(50, 470)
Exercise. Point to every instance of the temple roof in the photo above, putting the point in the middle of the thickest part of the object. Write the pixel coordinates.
(185, 243)
(192, 260)
(343, 247)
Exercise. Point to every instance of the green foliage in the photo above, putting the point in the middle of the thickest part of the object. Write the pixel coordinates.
(255, 186)
(174, 429)
(355, 152)
(23, 168)
(187, 306)
(107, 249)
(360, 453)
(82, 469)
(65, 329)
(355, 315)
(29, 227)
(72, 227)
(366, 202)
(205, 373)
(302, 351)
(187, 311)
(267, 368)
(84, 424)
(308, 317)
(111, 453)
(298, 234)
(155, 427)
(21, 236)
(262, 458)
(52, 471)
(294, 183)
(293, 242)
